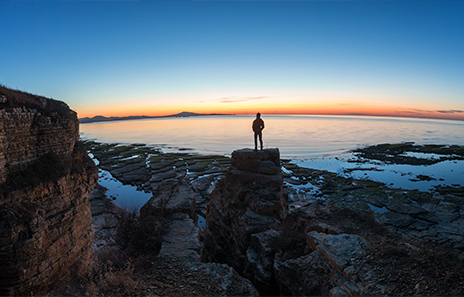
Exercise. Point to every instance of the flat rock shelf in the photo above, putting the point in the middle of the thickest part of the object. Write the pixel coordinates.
(348, 235)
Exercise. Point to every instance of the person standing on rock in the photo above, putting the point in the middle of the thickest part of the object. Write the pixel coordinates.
(258, 126)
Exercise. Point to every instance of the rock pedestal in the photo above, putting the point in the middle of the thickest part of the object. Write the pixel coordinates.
(249, 200)
(45, 179)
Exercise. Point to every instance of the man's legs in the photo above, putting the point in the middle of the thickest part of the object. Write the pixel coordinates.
(260, 135)
(256, 141)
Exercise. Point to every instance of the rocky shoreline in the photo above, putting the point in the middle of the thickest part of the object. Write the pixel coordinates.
(397, 240)
(247, 225)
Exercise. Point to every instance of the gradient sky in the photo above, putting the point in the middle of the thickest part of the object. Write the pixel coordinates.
(118, 58)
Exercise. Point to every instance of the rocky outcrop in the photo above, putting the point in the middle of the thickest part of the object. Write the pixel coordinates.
(338, 236)
(45, 179)
(34, 129)
(282, 250)
(176, 200)
(248, 201)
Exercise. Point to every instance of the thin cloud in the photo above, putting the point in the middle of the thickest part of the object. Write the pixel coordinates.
(450, 111)
(415, 111)
(234, 99)
(240, 99)
(410, 111)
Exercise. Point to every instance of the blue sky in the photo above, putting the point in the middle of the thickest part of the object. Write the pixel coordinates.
(162, 57)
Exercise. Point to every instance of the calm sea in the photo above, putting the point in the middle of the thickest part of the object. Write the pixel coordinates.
(321, 142)
(298, 137)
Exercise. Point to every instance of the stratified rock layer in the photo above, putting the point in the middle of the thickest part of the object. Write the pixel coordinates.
(45, 179)
(247, 201)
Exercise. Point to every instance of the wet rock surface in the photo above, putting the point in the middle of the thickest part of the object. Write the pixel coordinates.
(307, 232)
(434, 216)
(398, 153)
(147, 167)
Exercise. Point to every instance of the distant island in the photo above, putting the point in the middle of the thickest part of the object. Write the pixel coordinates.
(183, 114)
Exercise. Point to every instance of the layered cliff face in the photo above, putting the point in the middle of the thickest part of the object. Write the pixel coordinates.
(45, 179)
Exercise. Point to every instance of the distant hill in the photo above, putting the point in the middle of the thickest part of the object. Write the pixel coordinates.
(183, 114)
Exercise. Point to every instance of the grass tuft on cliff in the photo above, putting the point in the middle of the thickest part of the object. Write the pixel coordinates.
(10, 98)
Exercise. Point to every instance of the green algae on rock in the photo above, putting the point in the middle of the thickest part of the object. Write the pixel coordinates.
(147, 167)
(407, 153)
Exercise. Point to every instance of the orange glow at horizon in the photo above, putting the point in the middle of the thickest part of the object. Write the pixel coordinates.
(252, 108)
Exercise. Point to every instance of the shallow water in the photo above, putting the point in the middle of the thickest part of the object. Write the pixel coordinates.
(402, 176)
(297, 136)
(125, 196)
(321, 142)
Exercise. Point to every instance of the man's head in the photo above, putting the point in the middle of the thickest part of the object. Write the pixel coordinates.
(258, 115)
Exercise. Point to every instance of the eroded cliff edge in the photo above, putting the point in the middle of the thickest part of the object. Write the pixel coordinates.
(45, 179)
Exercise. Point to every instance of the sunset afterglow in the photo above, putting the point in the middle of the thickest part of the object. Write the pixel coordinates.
(154, 58)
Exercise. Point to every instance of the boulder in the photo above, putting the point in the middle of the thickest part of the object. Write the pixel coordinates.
(172, 197)
(341, 254)
(264, 161)
(303, 276)
(260, 258)
(182, 239)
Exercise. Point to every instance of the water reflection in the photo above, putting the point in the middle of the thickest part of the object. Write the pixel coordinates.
(297, 136)
(321, 142)
(124, 196)
(410, 177)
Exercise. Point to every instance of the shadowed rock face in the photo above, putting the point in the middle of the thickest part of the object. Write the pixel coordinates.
(264, 161)
(45, 179)
(175, 200)
(247, 201)
(249, 227)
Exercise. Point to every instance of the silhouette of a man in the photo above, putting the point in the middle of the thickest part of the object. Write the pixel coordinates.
(258, 126)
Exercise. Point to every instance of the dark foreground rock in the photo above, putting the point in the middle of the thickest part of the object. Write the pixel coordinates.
(249, 227)
(328, 236)
(181, 247)
(45, 178)
(326, 242)
(245, 203)
(169, 276)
